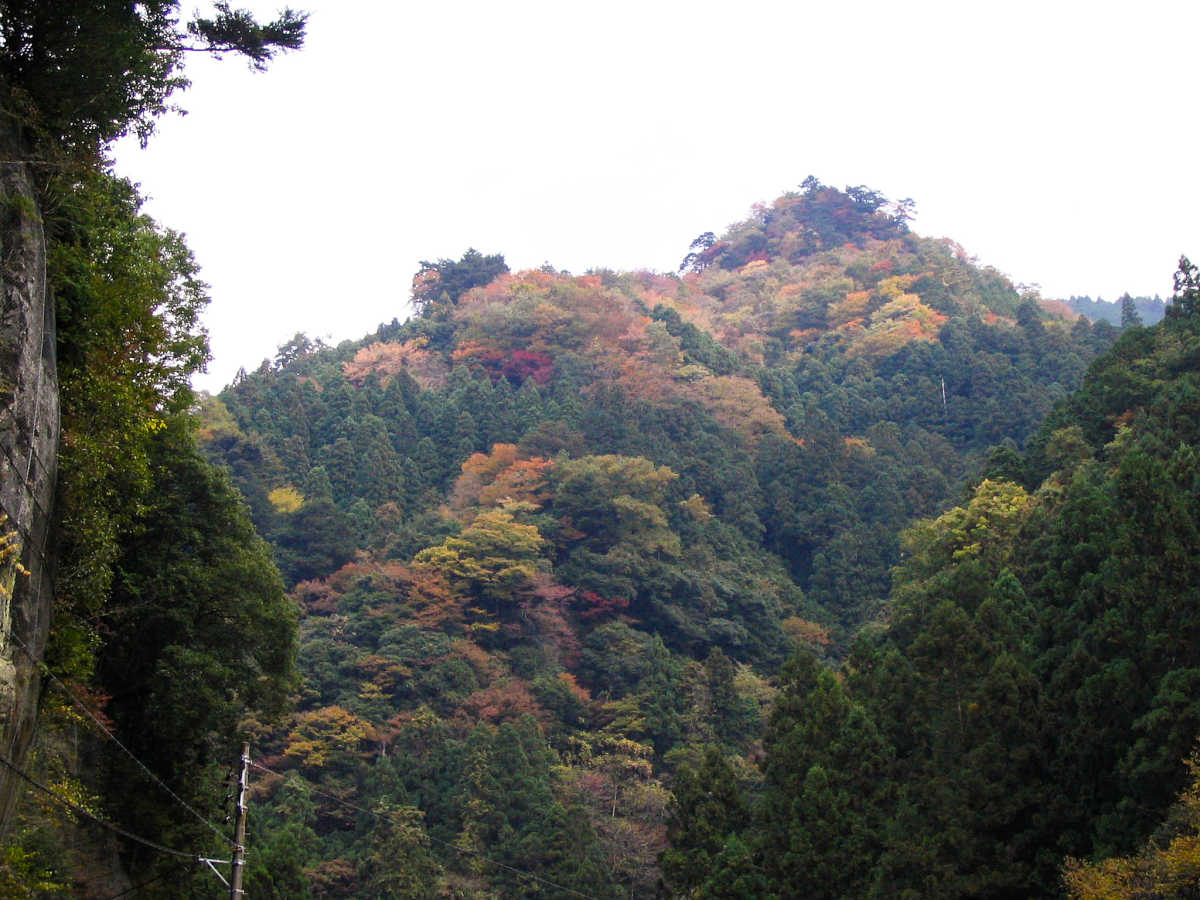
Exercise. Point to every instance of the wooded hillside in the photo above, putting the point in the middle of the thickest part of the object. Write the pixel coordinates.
(830, 565)
(566, 529)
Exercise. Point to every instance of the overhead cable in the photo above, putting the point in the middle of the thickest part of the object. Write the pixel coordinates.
(112, 737)
(87, 814)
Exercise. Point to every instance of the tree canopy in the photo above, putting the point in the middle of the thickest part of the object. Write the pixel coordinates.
(582, 521)
(79, 73)
(169, 616)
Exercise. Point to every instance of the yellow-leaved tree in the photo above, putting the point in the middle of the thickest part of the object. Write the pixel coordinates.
(1164, 869)
(493, 557)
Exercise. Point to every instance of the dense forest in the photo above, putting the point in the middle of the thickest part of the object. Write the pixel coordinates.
(554, 539)
(830, 565)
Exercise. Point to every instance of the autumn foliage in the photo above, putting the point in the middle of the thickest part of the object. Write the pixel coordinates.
(555, 536)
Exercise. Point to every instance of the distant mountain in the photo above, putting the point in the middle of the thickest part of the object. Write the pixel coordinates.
(1149, 309)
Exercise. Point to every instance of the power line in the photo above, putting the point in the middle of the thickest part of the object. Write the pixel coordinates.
(91, 842)
(32, 546)
(45, 670)
(523, 873)
(81, 811)
(138, 887)
(112, 737)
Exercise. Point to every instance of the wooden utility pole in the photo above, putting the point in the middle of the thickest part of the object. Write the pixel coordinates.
(239, 832)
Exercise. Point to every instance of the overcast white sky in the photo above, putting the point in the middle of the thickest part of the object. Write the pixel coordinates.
(1056, 141)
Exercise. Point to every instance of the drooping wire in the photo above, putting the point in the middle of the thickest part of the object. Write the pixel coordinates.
(32, 545)
(87, 814)
(93, 887)
(137, 887)
(23, 473)
(467, 851)
(45, 670)
(112, 737)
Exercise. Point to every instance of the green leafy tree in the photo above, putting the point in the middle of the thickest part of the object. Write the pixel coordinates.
(201, 634)
(286, 843)
(1130, 317)
(1186, 300)
(826, 786)
(315, 540)
(734, 719)
(84, 73)
(510, 809)
(736, 874)
(707, 812)
(494, 556)
(400, 864)
(660, 697)
(444, 281)
(128, 300)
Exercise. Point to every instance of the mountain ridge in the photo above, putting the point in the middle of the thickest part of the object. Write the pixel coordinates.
(573, 524)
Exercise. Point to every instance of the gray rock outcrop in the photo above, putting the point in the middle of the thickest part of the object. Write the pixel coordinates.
(29, 431)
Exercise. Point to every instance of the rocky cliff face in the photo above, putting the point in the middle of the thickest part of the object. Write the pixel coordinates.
(29, 430)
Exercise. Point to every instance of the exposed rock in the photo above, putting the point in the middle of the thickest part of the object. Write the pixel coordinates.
(29, 430)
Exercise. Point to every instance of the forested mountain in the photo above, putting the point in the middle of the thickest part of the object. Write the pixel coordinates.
(553, 538)
(829, 566)
(1033, 695)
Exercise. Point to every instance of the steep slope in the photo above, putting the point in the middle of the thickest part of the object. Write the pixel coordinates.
(822, 359)
(98, 329)
(1033, 696)
(163, 616)
(562, 529)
